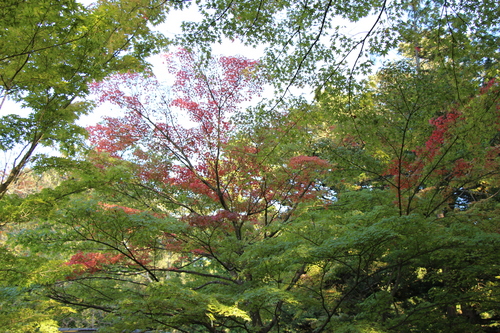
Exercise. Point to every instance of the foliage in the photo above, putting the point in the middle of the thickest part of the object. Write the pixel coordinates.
(373, 208)
(207, 228)
(314, 43)
(182, 220)
(50, 51)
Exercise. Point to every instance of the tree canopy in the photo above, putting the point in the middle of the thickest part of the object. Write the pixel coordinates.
(199, 207)
(51, 51)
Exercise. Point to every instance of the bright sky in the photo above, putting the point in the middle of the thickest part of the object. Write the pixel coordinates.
(170, 28)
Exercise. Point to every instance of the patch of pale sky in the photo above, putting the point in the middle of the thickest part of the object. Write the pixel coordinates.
(171, 28)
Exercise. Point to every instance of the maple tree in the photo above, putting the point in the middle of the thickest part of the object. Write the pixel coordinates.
(389, 223)
(197, 199)
(322, 42)
(421, 149)
(424, 144)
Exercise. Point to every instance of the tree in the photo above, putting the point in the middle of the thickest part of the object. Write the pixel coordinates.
(189, 207)
(425, 142)
(363, 261)
(50, 51)
(312, 43)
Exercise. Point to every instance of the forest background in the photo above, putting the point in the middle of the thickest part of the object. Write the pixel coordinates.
(203, 207)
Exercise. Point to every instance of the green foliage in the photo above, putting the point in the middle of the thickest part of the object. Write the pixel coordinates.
(50, 51)
(373, 209)
(308, 42)
(59, 48)
(23, 305)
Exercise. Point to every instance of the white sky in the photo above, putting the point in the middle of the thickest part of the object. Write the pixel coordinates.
(170, 28)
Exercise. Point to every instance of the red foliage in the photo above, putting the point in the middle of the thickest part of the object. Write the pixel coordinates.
(196, 158)
(206, 97)
(492, 158)
(172, 244)
(442, 124)
(406, 174)
(139, 256)
(487, 87)
(308, 162)
(461, 168)
(351, 141)
(93, 261)
(221, 219)
(408, 170)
